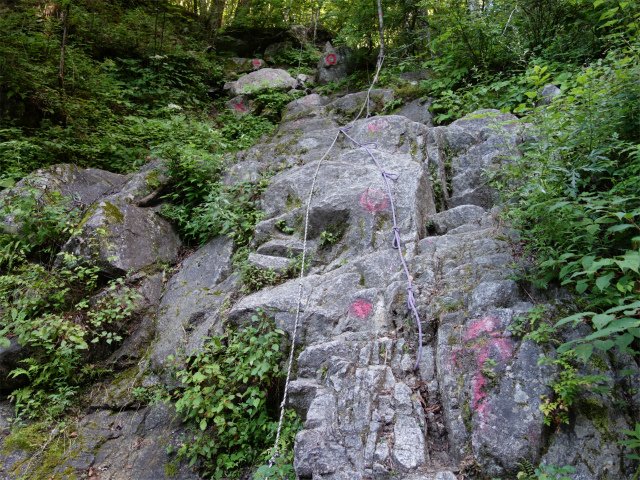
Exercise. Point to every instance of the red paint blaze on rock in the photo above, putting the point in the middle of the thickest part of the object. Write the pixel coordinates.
(360, 308)
(239, 106)
(476, 386)
(374, 201)
(486, 324)
(330, 59)
(497, 348)
(256, 63)
(377, 125)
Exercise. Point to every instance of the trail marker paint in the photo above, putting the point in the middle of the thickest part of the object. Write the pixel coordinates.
(361, 308)
(239, 106)
(374, 201)
(331, 59)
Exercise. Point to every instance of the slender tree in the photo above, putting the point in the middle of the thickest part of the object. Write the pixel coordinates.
(65, 29)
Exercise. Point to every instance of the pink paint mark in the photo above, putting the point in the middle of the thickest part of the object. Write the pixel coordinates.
(239, 106)
(486, 324)
(256, 63)
(476, 387)
(502, 347)
(331, 59)
(374, 201)
(378, 125)
(496, 347)
(360, 308)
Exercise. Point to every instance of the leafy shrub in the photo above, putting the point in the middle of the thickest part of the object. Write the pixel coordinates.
(46, 308)
(230, 394)
(574, 198)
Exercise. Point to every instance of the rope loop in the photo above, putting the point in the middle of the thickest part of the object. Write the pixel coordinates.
(391, 176)
(396, 243)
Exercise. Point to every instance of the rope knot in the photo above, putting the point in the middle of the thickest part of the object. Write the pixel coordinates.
(392, 176)
(396, 238)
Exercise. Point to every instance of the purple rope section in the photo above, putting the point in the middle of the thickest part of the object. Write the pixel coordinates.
(397, 243)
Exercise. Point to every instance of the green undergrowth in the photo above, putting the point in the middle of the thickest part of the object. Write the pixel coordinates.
(230, 394)
(45, 306)
(572, 195)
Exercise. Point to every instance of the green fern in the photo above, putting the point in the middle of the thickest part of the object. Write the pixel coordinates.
(527, 470)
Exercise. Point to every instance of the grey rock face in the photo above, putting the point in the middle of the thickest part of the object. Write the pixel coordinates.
(454, 218)
(276, 49)
(336, 63)
(418, 111)
(189, 306)
(142, 184)
(119, 237)
(81, 187)
(256, 82)
(146, 431)
(415, 76)
(472, 405)
(476, 394)
(10, 358)
(548, 93)
(236, 65)
(241, 105)
(126, 444)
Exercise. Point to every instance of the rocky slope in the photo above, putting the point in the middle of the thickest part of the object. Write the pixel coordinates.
(471, 407)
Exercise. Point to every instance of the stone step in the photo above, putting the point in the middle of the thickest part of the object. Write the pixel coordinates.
(266, 262)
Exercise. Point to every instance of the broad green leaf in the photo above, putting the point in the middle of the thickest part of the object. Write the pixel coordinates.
(616, 326)
(624, 340)
(635, 332)
(628, 309)
(584, 351)
(630, 260)
(603, 345)
(565, 347)
(574, 317)
(604, 281)
(619, 228)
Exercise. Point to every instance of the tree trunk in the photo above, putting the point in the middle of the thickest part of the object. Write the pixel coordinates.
(65, 22)
(381, 29)
(315, 25)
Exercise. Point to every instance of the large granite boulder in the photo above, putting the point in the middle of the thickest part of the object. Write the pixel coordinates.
(336, 63)
(267, 78)
(119, 237)
(188, 311)
(76, 187)
(235, 66)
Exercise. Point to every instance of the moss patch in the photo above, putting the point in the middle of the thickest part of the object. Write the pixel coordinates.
(598, 363)
(170, 469)
(293, 202)
(40, 464)
(112, 213)
(597, 413)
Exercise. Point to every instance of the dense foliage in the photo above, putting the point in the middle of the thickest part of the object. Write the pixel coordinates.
(44, 305)
(230, 392)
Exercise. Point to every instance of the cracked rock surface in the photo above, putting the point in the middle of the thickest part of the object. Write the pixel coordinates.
(470, 407)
